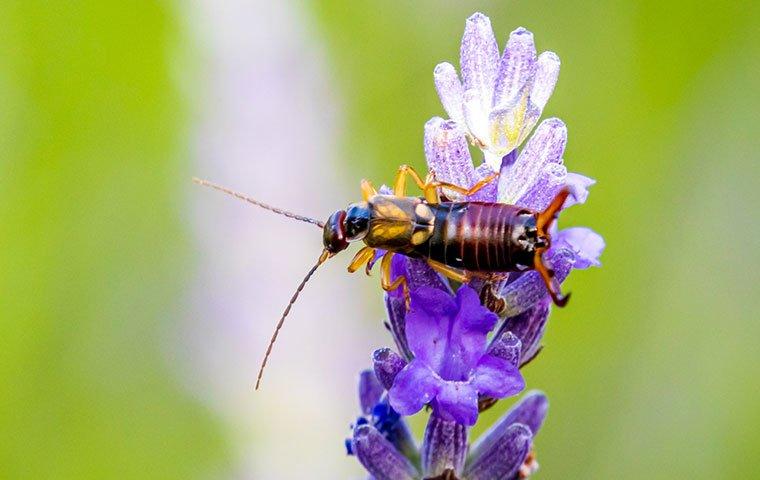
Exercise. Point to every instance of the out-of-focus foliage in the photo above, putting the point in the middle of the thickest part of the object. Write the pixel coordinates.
(91, 249)
(652, 370)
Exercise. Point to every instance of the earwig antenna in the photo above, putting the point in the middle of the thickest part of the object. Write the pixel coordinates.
(543, 223)
(248, 199)
(325, 255)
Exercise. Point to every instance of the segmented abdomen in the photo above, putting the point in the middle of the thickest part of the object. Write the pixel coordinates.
(473, 236)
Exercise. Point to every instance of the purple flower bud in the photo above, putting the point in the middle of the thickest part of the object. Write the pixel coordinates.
(444, 447)
(507, 346)
(370, 390)
(498, 101)
(528, 327)
(530, 411)
(503, 459)
(387, 365)
(379, 456)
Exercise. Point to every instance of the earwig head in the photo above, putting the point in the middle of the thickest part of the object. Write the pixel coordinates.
(345, 226)
(544, 221)
(334, 233)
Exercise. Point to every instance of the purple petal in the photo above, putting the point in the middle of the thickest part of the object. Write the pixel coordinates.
(387, 365)
(578, 185)
(380, 457)
(448, 155)
(586, 243)
(472, 316)
(458, 402)
(504, 459)
(370, 390)
(444, 447)
(546, 146)
(418, 273)
(529, 289)
(448, 336)
(487, 193)
(516, 68)
(497, 378)
(396, 309)
(507, 346)
(529, 411)
(427, 324)
(413, 387)
(529, 327)
(466, 339)
(547, 72)
(479, 57)
(550, 182)
(450, 90)
(398, 268)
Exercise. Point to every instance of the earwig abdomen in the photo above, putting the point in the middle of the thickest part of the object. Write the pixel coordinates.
(481, 237)
(470, 236)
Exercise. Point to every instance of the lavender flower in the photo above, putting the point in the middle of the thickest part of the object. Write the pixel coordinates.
(451, 365)
(504, 452)
(444, 359)
(498, 101)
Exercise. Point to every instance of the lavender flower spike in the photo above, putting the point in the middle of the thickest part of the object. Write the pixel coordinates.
(451, 366)
(505, 451)
(498, 101)
(444, 360)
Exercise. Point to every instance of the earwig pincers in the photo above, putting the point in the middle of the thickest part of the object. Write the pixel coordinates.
(462, 240)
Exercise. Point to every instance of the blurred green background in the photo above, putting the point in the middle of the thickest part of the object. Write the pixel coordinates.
(653, 370)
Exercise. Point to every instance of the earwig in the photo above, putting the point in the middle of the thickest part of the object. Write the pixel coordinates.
(461, 240)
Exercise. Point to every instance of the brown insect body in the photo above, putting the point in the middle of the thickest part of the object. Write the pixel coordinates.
(470, 236)
(460, 240)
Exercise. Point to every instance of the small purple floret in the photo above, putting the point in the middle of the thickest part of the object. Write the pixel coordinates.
(451, 366)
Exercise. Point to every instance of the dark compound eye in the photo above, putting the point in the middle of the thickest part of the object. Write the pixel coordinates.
(357, 221)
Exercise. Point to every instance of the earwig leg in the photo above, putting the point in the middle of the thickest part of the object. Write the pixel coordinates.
(399, 184)
(468, 191)
(368, 191)
(430, 191)
(385, 278)
(491, 299)
(430, 187)
(362, 256)
(449, 272)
